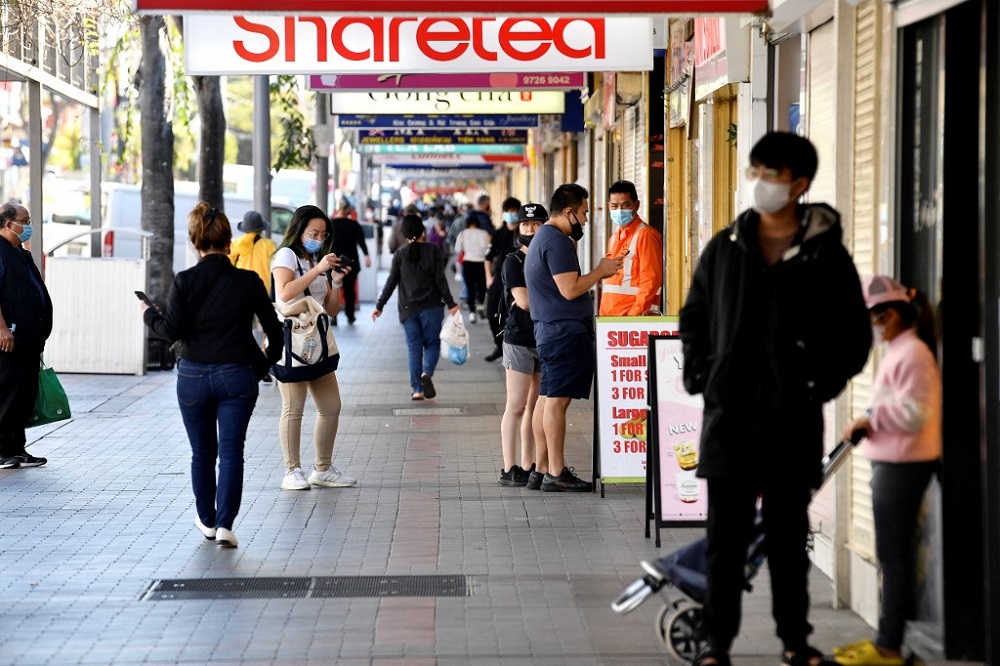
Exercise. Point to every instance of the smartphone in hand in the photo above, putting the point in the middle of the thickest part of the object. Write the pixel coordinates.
(141, 295)
(344, 263)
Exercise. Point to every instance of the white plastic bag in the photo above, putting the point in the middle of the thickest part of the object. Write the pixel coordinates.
(455, 339)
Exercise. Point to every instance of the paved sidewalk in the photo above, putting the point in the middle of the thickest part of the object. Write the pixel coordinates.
(83, 539)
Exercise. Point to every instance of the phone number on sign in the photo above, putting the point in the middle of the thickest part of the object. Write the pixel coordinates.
(537, 80)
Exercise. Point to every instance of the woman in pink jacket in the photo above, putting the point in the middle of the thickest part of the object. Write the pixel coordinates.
(903, 426)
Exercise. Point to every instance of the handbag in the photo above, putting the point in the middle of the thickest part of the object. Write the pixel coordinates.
(51, 403)
(310, 349)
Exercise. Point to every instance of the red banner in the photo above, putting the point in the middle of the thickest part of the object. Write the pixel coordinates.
(465, 7)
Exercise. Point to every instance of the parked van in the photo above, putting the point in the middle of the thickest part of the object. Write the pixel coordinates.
(123, 210)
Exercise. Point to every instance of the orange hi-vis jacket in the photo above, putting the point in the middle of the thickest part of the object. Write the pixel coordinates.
(636, 289)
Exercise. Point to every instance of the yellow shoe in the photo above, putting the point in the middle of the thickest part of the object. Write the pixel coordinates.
(866, 654)
(852, 646)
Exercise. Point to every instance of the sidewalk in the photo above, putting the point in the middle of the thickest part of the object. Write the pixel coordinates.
(83, 539)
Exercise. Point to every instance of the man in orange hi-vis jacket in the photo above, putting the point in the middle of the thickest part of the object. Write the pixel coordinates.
(635, 290)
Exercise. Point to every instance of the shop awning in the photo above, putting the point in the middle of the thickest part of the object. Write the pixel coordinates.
(459, 7)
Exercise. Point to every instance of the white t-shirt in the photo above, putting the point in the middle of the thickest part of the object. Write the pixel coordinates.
(286, 258)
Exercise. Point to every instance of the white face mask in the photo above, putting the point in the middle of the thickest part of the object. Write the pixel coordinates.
(768, 197)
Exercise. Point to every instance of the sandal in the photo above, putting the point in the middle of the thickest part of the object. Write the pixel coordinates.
(809, 656)
(709, 656)
(866, 653)
(417, 396)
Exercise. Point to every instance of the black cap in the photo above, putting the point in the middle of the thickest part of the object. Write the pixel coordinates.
(532, 212)
(252, 221)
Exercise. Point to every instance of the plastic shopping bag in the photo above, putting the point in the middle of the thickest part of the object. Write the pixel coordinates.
(51, 404)
(455, 339)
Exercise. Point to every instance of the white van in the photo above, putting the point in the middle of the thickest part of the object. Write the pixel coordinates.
(123, 210)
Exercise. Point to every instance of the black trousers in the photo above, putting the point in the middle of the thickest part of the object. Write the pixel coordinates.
(494, 298)
(18, 389)
(474, 275)
(349, 295)
(731, 515)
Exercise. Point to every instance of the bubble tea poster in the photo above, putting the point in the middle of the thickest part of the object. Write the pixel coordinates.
(682, 495)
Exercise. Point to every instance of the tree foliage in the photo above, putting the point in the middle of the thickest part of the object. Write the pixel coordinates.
(296, 145)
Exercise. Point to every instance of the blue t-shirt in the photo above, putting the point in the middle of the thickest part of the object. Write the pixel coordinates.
(552, 252)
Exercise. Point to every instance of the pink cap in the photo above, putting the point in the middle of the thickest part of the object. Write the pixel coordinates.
(881, 289)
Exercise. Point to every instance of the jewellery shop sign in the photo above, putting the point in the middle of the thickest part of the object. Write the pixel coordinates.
(301, 44)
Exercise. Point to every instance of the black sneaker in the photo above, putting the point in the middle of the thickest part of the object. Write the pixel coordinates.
(497, 353)
(521, 475)
(534, 479)
(10, 463)
(28, 460)
(511, 476)
(428, 386)
(566, 482)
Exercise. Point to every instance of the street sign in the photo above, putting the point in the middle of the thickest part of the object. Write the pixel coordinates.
(290, 44)
(441, 160)
(464, 7)
(470, 81)
(465, 102)
(418, 137)
(440, 149)
(516, 121)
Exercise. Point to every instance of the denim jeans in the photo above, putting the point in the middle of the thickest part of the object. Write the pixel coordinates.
(216, 401)
(423, 340)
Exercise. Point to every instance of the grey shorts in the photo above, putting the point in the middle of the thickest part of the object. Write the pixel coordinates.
(521, 359)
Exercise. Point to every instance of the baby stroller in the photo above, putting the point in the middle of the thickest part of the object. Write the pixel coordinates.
(684, 574)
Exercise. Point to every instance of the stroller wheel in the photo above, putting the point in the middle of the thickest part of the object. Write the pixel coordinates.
(679, 627)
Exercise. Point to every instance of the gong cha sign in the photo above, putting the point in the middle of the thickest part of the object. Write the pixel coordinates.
(295, 44)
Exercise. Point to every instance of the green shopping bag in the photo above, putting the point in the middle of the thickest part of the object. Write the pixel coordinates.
(51, 404)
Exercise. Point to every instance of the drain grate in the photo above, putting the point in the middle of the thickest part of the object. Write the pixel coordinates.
(320, 587)
(428, 411)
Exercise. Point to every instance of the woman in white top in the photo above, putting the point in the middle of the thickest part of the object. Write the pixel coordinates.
(304, 266)
(474, 241)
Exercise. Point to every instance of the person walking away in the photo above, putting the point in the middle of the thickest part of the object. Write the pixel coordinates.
(25, 325)
(501, 245)
(304, 267)
(418, 270)
(773, 327)
(438, 233)
(253, 252)
(348, 236)
(210, 310)
(520, 358)
(473, 242)
(902, 428)
(637, 289)
(562, 310)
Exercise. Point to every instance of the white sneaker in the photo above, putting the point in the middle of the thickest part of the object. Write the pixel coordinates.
(472, 317)
(226, 538)
(209, 532)
(331, 478)
(295, 480)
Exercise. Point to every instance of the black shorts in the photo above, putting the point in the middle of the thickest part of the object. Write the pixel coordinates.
(567, 366)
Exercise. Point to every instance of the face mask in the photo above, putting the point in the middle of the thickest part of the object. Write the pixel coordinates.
(312, 245)
(575, 229)
(369, 215)
(768, 197)
(622, 217)
(510, 218)
(524, 240)
(26, 231)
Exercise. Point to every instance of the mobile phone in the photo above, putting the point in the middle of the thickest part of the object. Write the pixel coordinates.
(141, 295)
(344, 263)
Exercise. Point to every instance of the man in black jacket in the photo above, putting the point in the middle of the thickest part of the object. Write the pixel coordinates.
(773, 327)
(347, 238)
(25, 325)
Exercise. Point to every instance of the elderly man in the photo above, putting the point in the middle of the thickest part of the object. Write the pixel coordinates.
(25, 325)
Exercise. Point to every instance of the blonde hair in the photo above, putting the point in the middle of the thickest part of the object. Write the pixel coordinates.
(208, 227)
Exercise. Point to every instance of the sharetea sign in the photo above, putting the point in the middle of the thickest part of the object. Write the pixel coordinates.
(293, 44)
(461, 102)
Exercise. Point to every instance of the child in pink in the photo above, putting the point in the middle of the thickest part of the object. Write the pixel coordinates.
(903, 441)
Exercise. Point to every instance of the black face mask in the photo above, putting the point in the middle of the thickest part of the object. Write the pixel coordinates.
(575, 228)
(523, 241)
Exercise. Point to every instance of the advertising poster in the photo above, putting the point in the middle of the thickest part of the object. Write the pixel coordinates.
(622, 394)
(681, 496)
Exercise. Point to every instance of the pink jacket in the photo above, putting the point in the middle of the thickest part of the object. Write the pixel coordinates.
(906, 406)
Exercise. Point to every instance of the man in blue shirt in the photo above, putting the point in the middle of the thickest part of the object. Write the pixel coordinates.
(563, 312)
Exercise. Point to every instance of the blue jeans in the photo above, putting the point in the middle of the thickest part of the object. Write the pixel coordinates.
(423, 340)
(216, 401)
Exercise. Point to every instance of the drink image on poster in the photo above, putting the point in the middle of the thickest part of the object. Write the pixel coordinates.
(686, 454)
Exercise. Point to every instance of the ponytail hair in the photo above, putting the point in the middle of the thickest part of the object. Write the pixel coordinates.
(208, 228)
(919, 314)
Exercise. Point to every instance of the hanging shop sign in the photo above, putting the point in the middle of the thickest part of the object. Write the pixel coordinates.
(514, 121)
(443, 160)
(289, 44)
(440, 149)
(422, 137)
(466, 102)
(559, 7)
(472, 81)
(721, 54)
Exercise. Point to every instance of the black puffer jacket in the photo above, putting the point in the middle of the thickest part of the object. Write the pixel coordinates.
(24, 300)
(767, 346)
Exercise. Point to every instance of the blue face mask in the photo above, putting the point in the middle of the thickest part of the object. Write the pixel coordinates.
(26, 231)
(622, 217)
(312, 245)
(510, 218)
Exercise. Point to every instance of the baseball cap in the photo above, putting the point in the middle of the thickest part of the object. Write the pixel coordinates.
(532, 212)
(880, 289)
(252, 221)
